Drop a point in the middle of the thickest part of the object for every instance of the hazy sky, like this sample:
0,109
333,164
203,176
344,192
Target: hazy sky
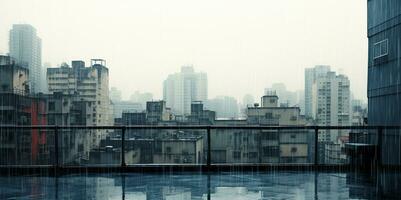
243,46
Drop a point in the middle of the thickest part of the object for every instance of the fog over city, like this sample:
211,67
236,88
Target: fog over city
243,46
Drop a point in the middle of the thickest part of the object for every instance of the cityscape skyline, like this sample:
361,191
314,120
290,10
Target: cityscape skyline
244,60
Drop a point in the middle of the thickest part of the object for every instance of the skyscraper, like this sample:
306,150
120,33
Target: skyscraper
331,103
384,74
310,77
181,89
26,48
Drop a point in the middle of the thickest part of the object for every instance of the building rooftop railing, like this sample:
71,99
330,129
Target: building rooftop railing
58,167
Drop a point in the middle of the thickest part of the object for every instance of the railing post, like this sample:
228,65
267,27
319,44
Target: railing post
379,147
56,147
209,154
316,146
123,164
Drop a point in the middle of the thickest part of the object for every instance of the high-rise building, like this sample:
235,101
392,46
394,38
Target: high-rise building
91,84
181,89
310,77
331,106
331,103
384,74
26,48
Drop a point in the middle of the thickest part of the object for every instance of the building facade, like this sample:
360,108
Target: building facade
331,104
13,78
310,76
71,110
26,48
91,84
384,65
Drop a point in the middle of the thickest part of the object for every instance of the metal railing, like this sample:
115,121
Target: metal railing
208,128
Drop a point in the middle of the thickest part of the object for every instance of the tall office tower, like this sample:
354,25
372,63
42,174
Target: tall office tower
90,84
26,48
384,74
331,103
181,89
310,77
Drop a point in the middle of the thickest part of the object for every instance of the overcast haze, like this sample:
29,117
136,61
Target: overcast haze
243,46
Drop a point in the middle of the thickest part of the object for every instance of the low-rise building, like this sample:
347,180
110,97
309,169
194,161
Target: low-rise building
71,110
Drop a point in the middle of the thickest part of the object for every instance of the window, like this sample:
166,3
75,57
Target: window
269,115
253,154
271,151
293,149
236,154
52,106
51,120
269,136
380,49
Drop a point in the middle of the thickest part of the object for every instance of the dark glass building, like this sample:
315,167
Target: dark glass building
384,72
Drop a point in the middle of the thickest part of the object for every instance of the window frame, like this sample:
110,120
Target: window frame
380,54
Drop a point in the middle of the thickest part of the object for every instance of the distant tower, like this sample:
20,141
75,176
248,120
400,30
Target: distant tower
181,89
26,48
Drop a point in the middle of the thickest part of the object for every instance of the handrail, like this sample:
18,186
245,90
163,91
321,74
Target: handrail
258,127
207,128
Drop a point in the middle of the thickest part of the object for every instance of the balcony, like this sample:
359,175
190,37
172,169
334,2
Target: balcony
195,162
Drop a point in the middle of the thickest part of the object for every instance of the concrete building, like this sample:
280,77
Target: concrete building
200,116
26,48
13,78
331,104
71,110
91,84
263,146
156,111
384,66
181,89
288,146
24,146
310,76
224,106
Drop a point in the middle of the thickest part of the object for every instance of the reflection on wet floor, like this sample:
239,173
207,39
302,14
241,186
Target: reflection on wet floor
183,186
